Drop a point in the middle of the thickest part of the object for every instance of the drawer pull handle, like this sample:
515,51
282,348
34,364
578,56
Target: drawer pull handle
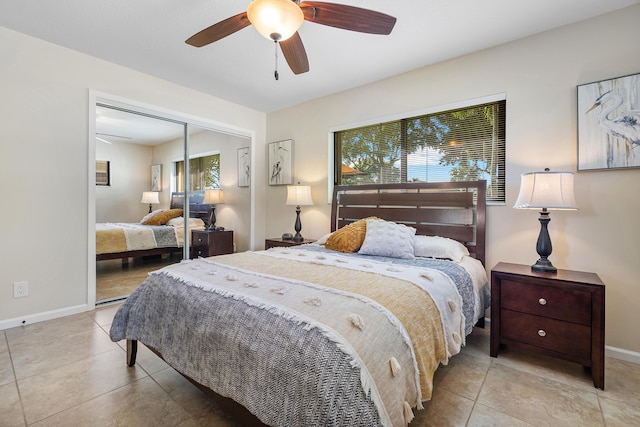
542,301
542,333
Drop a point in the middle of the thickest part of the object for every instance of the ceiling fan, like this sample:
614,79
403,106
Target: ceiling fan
279,20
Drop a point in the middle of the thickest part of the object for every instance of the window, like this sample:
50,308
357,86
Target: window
204,172
464,144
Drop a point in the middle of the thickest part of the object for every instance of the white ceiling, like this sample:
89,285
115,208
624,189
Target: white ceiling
149,35
115,126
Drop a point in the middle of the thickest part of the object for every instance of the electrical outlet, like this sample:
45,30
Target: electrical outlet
20,289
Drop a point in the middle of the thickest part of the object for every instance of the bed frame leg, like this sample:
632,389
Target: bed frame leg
132,351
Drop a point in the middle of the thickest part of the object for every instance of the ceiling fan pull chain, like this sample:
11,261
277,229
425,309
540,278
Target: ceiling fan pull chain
275,73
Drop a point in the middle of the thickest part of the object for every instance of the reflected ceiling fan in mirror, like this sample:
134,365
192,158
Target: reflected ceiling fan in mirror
279,20
103,135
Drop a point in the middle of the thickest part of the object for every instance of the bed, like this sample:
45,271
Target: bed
320,334
164,233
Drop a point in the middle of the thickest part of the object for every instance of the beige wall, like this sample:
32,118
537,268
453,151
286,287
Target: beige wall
130,164
45,152
235,213
539,75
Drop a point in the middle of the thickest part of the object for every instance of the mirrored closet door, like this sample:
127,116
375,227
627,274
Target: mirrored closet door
141,177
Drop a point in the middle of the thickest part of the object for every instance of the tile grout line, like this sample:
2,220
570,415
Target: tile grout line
475,401
15,378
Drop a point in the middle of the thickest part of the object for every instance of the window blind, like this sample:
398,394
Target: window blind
464,144
204,173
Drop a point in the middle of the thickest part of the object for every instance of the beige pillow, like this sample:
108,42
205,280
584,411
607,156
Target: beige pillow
349,238
161,218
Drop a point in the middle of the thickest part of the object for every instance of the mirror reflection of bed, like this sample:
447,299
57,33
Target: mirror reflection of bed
133,143
127,252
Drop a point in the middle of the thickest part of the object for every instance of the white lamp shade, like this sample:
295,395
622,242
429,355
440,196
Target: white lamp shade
275,19
213,197
551,190
299,195
150,197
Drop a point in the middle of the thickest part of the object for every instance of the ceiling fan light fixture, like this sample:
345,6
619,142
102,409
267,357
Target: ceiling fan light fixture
275,20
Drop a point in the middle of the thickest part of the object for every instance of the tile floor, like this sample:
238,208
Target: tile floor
115,280
67,372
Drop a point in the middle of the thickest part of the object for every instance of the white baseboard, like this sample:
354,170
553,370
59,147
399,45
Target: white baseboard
622,354
41,317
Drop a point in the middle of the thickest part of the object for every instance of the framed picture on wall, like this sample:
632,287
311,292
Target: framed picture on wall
609,124
156,177
280,159
244,167
103,172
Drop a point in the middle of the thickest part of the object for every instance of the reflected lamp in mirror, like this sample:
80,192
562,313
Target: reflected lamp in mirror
150,197
213,198
546,191
298,195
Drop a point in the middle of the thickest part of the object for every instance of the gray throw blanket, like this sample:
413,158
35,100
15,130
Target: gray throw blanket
326,390
165,236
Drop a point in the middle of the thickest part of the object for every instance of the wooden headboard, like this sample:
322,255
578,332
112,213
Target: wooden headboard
456,210
197,209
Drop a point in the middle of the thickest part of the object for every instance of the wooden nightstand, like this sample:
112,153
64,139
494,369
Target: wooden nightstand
276,241
560,315
205,243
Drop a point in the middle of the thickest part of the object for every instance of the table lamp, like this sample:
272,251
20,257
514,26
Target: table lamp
150,197
547,191
213,198
299,195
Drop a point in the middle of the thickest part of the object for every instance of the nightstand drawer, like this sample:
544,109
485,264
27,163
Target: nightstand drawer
563,337
206,243
547,301
200,251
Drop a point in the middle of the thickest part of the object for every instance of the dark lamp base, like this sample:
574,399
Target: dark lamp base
298,227
543,246
544,266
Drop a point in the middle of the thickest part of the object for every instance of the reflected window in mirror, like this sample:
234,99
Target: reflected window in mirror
204,172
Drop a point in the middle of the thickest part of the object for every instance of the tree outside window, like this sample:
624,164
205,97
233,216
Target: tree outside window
466,144
204,172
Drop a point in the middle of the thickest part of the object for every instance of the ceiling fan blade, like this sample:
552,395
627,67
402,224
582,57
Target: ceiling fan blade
220,30
348,17
295,54
114,136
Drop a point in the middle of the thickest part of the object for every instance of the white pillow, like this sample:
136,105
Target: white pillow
149,215
386,238
179,222
323,239
439,247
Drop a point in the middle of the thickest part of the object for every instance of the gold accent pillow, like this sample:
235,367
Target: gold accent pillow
349,238
161,218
